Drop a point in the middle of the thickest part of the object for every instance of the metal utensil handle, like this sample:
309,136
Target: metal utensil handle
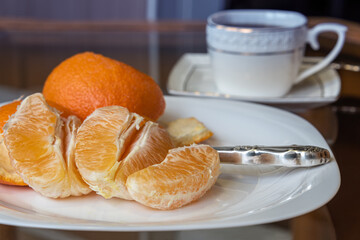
290,156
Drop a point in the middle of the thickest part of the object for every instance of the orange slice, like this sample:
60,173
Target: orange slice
77,184
112,143
41,146
184,176
8,174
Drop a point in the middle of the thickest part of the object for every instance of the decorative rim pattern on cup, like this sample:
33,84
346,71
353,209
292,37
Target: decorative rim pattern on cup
259,42
211,23
255,40
209,48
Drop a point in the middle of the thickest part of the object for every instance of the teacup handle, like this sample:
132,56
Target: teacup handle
340,30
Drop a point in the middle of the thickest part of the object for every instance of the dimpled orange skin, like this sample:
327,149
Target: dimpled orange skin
6,111
87,81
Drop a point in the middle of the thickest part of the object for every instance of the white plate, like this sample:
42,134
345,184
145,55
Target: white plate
192,76
242,196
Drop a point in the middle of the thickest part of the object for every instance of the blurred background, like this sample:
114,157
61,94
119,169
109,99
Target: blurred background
37,34
164,9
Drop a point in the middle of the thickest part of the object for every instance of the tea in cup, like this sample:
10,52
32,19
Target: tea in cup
258,53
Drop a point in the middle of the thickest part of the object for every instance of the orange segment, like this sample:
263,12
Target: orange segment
77,184
99,145
184,176
112,143
150,146
8,174
187,131
34,136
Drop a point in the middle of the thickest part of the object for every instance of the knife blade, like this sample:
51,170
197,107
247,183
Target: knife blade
288,156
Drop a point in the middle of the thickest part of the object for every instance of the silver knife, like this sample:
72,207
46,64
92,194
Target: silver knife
288,156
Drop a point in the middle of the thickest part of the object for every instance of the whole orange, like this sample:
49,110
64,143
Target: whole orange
87,81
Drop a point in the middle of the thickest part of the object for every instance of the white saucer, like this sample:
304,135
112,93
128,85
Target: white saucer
192,76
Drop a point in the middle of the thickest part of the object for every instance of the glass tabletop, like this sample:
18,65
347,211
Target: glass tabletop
31,49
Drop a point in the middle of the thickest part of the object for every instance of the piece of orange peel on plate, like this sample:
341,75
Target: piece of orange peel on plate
187,131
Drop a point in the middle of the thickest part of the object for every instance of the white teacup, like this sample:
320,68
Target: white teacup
257,53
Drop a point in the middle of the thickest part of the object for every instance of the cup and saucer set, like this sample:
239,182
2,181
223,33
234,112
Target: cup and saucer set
258,56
